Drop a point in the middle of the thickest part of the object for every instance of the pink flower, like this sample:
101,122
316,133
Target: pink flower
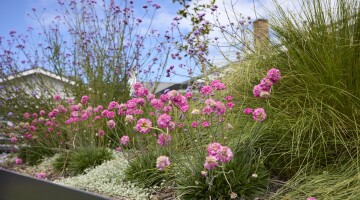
205,124
70,100
217,85
211,162
118,149
230,105
124,140
194,124
311,198
274,75
97,117
167,109
264,94
101,133
151,113
42,112
137,85
184,108
34,115
13,139
164,121
18,161
256,91
248,111
41,175
162,162
157,103
57,97
110,114
26,115
259,114
228,98
129,118
203,173
266,84
84,99
143,125
150,97
112,105
206,90
213,149
188,95
163,139
142,92
32,128
224,154
111,124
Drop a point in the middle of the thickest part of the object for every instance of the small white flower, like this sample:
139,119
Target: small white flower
254,175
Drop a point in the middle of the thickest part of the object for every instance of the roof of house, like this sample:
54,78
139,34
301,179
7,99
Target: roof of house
37,70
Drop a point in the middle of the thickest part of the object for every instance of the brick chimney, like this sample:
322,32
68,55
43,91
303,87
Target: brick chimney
261,34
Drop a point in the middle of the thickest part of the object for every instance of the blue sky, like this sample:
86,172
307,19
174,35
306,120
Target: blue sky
14,13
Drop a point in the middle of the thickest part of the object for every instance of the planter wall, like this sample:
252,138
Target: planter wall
14,186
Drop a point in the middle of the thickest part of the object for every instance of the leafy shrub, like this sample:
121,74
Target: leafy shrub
76,161
244,176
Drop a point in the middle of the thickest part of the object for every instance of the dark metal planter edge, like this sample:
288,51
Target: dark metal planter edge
15,186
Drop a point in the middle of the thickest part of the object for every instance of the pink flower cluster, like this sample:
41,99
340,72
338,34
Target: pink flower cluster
258,114
124,140
162,162
41,175
217,152
143,125
263,89
164,121
140,90
164,139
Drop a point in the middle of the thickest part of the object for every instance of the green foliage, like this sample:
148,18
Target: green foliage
34,154
314,109
334,183
244,176
76,161
142,170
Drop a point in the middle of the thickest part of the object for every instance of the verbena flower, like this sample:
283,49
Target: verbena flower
162,162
